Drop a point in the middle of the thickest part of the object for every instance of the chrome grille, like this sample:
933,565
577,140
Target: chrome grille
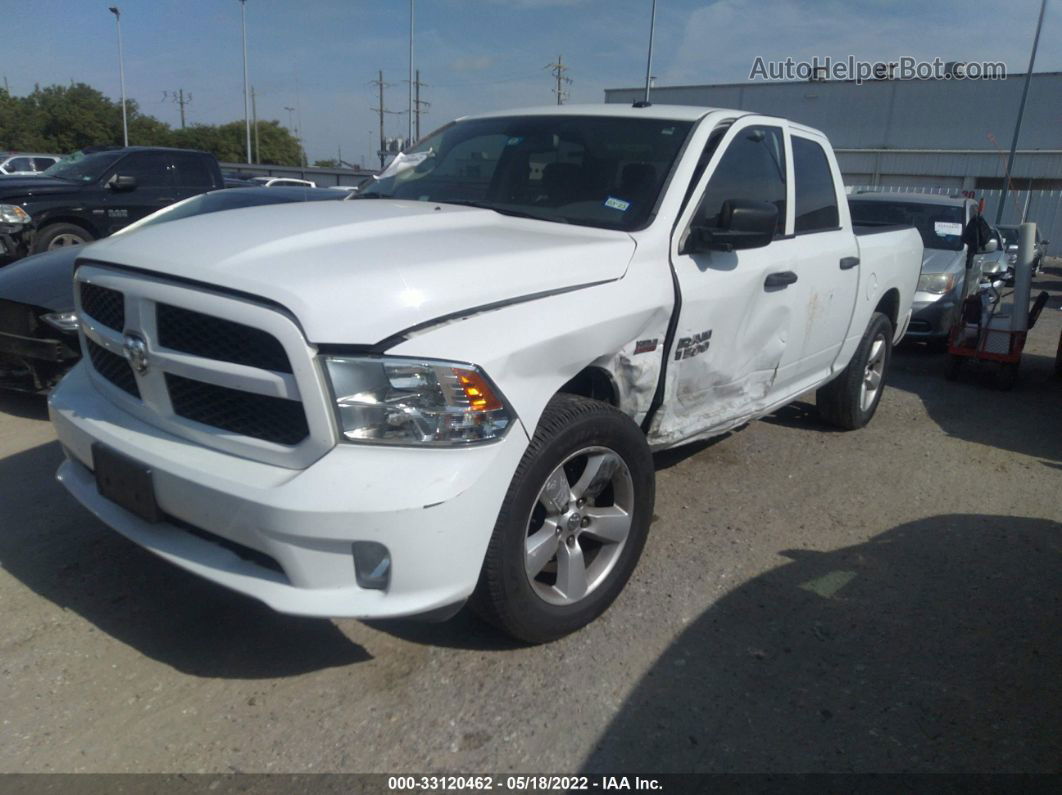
222,371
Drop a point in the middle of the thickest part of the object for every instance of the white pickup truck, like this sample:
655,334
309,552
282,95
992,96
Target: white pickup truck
449,388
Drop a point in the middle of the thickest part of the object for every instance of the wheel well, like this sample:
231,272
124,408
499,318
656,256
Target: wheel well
64,220
595,383
889,305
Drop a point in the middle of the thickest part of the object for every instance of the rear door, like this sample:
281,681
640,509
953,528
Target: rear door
826,254
192,175
737,342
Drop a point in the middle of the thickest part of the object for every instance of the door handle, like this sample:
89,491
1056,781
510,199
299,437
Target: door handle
849,262
779,281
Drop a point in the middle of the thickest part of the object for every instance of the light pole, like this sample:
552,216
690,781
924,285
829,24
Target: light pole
1021,113
121,71
246,100
409,132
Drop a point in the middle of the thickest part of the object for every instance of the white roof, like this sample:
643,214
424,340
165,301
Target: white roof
617,110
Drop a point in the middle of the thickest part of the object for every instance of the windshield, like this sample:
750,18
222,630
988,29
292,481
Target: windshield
939,224
233,199
80,167
1010,235
589,170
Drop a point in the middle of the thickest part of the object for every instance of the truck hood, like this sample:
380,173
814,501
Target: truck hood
44,280
13,185
938,260
357,272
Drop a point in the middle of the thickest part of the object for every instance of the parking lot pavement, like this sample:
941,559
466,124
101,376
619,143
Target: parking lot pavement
881,600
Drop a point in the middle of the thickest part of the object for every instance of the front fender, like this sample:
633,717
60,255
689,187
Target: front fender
532,349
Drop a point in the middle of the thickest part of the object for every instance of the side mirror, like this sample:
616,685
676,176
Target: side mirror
991,246
120,183
741,224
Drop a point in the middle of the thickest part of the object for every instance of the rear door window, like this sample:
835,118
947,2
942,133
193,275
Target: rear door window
816,193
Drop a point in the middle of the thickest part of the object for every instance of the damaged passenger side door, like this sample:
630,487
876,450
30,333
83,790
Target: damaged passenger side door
735,347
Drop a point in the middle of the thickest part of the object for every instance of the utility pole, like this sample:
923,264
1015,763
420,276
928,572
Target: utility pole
381,85
178,98
254,121
1021,113
417,103
558,72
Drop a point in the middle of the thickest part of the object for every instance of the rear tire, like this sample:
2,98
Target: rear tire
60,235
573,523
850,400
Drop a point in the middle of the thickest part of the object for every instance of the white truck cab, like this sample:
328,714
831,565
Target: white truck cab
449,387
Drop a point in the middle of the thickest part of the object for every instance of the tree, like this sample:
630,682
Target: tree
63,119
328,163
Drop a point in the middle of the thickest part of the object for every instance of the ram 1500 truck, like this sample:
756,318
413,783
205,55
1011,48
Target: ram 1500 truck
449,388
92,194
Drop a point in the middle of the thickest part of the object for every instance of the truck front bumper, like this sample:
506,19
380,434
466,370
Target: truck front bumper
285,536
932,318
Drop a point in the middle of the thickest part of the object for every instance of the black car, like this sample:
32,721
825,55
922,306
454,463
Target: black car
38,324
96,192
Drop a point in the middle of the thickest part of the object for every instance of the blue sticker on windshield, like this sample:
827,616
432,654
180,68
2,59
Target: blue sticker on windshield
617,204
514,140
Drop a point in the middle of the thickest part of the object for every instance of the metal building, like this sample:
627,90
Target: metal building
940,133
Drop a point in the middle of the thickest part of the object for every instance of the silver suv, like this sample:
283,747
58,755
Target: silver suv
26,163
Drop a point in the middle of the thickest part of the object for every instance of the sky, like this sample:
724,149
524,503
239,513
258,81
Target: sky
321,56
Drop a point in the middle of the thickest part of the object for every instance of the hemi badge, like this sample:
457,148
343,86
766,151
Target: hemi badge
645,346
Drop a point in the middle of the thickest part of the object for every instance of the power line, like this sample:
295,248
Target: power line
558,70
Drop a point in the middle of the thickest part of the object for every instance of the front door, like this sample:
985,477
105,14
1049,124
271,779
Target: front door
737,342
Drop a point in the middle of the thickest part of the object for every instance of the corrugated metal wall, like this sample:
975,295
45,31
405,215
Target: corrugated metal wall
1044,207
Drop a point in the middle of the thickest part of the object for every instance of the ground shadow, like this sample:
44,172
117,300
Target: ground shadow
1025,419
800,415
25,405
56,548
933,647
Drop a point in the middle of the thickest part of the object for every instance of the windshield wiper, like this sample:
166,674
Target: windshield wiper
504,210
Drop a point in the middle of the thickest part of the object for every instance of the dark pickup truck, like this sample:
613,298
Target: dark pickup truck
91,195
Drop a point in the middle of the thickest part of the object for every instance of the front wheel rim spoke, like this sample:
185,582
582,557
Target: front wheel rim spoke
600,468
556,493
571,572
540,548
609,525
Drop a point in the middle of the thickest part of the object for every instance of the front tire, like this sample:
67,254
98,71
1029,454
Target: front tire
56,236
573,523
850,400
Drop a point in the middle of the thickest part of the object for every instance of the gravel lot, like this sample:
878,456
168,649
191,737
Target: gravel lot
884,600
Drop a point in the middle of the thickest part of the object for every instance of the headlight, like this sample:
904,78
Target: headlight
936,283
415,402
64,321
13,214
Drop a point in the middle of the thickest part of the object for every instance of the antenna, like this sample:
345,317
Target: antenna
649,60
